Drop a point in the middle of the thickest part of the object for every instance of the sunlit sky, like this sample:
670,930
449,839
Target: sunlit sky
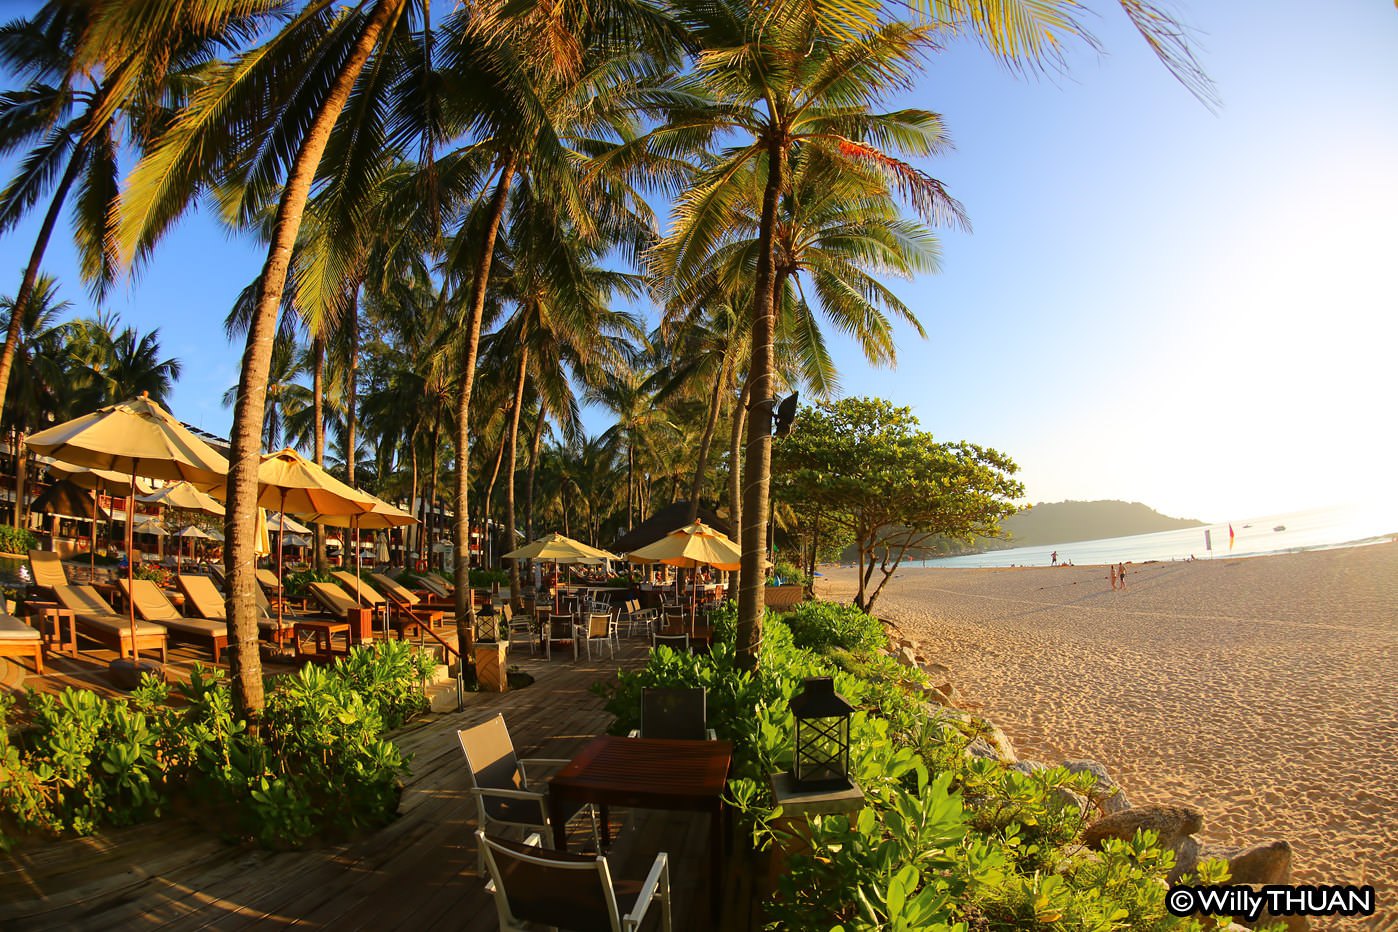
1158,303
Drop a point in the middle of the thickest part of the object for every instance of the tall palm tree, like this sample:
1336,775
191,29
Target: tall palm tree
92,87
40,391
116,363
280,102
286,397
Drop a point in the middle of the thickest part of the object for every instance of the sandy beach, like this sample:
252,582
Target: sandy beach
1261,690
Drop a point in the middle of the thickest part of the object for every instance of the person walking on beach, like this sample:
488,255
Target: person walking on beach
1121,575
1112,567
1054,557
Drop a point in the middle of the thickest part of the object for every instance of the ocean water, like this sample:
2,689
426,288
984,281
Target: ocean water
1315,529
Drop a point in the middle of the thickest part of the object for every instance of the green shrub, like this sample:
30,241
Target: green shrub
297,583
17,540
820,626
786,573
321,766
154,572
945,841
484,579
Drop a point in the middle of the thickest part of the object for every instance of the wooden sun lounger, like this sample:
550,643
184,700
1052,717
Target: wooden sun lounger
369,597
152,605
18,639
208,603
409,611
47,570
96,619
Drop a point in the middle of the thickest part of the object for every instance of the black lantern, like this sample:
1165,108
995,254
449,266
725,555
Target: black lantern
822,736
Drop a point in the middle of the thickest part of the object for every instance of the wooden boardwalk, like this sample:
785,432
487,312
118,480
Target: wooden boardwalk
417,872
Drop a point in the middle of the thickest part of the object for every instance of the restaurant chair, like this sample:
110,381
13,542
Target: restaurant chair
675,713
534,887
633,615
500,784
601,629
521,624
560,627
676,642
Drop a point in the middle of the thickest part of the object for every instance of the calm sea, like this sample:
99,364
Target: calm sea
1316,529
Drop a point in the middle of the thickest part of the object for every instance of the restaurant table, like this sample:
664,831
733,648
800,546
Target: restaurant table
647,773
52,617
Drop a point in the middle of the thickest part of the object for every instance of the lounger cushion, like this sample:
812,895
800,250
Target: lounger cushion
12,629
91,609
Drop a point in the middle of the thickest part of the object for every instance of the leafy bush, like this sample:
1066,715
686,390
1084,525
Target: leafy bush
820,626
484,579
786,573
17,540
297,583
321,765
946,841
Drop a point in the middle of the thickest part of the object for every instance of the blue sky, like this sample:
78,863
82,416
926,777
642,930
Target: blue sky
1158,303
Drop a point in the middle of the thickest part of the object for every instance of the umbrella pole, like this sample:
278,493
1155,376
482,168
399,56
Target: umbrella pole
281,586
131,566
92,550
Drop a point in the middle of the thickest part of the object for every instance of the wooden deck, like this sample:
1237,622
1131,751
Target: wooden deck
417,872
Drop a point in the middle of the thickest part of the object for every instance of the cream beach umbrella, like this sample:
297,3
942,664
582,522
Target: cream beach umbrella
134,438
98,481
555,548
289,482
381,516
690,547
191,533
185,496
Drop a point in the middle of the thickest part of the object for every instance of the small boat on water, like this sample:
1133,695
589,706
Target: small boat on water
1280,527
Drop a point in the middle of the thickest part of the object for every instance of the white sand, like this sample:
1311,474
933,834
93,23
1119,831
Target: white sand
1262,690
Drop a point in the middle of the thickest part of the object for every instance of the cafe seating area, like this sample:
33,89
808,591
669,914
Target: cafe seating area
421,870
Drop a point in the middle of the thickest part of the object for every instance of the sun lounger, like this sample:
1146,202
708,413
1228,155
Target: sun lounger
47,570
408,609
152,605
434,584
96,619
335,601
208,603
18,639
368,596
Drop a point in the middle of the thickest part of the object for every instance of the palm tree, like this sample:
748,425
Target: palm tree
291,90
40,390
114,363
286,397
89,83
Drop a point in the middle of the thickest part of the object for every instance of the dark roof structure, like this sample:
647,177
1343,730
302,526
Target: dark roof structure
670,518
67,499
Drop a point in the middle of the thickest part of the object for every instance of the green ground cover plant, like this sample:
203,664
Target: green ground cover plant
946,841
17,540
322,766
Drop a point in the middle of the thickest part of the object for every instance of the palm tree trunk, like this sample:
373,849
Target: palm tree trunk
412,499
735,472
533,466
706,441
758,460
318,416
630,485
31,274
352,382
432,494
245,665
21,461
512,445
465,612
488,500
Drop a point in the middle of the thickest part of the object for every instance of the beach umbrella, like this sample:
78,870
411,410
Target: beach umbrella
380,517
291,525
97,480
191,533
135,438
289,482
555,548
186,496
690,547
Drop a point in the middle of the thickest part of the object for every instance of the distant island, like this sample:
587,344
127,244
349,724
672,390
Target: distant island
1056,523
1066,522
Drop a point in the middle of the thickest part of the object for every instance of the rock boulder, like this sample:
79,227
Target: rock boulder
1171,823
1106,795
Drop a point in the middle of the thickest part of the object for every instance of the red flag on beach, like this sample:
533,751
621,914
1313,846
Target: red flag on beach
1230,536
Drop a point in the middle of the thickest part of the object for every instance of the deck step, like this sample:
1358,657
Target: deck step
441,697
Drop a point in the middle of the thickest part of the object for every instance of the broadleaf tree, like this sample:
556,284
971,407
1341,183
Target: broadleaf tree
870,471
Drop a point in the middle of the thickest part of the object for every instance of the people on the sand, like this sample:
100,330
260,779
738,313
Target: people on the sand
1121,574
1054,557
1112,568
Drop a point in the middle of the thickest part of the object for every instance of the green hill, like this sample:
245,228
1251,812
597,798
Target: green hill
1065,522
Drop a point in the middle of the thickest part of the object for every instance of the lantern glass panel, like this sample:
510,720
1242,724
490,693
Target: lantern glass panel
821,760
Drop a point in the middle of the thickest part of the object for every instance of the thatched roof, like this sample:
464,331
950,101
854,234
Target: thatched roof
65,498
670,518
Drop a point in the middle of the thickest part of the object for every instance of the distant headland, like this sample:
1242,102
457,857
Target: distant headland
1066,522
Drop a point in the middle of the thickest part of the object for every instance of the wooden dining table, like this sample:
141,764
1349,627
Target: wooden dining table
647,773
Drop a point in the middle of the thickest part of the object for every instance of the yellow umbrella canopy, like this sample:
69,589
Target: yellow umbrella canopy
380,517
183,495
290,525
555,548
293,484
87,478
136,437
695,545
